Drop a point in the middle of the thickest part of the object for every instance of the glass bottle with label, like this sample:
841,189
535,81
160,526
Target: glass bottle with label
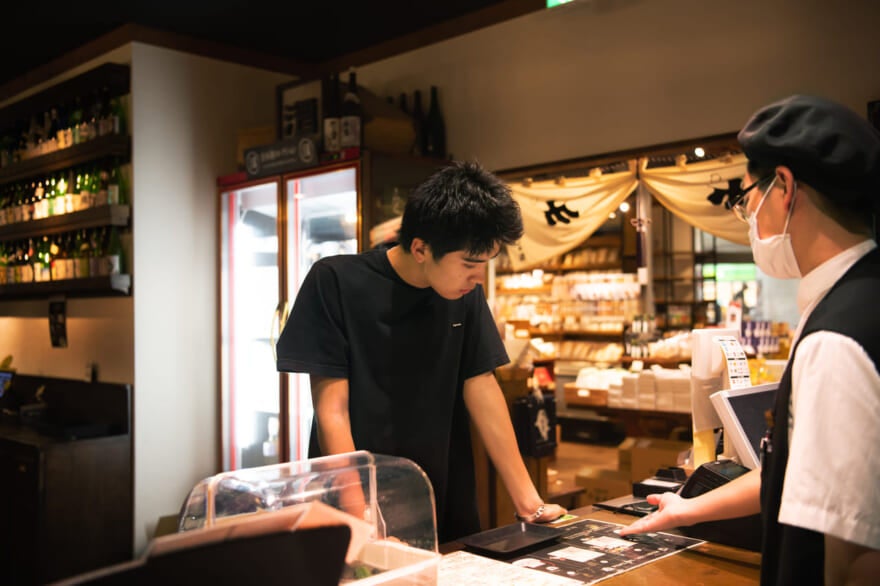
81,254
117,192
3,263
68,256
117,116
350,121
330,105
40,261
113,256
96,252
101,181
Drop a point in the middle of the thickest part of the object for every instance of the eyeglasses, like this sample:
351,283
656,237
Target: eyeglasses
741,203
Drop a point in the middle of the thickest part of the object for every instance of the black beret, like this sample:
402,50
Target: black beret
826,145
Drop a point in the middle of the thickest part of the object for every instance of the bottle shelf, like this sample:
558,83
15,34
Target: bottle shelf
672,362
105,286
114,76
98,148
108,215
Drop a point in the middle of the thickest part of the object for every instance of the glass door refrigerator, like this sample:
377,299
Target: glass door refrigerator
271,232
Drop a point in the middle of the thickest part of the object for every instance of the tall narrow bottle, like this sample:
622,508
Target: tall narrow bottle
81,255
96,253
401,102
117,115
101,183
67,254
3,263
435,128
114,263
42,260
117,189
419,123
330,113
350,121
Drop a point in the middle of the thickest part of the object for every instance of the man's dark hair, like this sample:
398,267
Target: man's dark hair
461,207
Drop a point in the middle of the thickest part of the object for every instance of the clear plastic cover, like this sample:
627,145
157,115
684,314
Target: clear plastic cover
392,494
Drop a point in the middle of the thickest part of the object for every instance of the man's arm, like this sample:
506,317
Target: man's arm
738,498
488,409
849,564
330,401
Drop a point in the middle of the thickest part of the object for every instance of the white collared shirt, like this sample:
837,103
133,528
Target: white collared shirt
833,473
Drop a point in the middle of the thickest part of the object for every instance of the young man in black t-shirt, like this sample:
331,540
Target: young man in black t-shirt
401,347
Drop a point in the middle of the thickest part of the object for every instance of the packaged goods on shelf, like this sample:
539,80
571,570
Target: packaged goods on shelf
629,391
646,394
672,387
608,353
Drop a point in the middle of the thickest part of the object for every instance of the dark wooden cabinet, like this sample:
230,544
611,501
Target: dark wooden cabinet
66,502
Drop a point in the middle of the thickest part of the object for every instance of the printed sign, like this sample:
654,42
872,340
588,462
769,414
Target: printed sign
289,154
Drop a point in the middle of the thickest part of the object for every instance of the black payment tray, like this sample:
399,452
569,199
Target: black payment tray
510,539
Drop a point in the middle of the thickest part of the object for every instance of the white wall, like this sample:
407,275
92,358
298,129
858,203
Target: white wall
598,76
186,111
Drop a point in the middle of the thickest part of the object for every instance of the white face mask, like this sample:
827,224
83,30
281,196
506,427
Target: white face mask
774,254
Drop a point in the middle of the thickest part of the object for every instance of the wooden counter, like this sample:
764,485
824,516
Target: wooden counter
710,564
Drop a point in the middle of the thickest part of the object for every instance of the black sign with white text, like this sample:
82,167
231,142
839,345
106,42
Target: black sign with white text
290,154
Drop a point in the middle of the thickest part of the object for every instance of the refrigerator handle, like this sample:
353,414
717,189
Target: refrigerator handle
279,319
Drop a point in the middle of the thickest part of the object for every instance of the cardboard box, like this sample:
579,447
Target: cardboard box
252,137
602,484
650,454
585,397
624,454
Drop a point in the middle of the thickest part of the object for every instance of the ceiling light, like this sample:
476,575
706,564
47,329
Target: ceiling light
623,207
700,152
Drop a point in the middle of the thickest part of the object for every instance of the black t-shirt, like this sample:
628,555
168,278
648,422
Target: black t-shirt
406,353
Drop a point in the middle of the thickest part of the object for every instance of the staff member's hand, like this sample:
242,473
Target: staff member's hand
671,512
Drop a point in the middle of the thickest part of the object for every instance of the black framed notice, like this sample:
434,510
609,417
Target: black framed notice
58,322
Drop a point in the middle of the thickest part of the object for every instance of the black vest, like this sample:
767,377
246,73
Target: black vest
791,555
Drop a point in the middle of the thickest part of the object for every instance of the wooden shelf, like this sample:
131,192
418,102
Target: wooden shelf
545,290
664,362
109,215
85,152
615,266
106,286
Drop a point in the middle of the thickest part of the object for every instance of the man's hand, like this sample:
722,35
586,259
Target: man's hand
671,512
550,513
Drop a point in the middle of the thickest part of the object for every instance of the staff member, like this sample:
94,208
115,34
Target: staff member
814,176
401,347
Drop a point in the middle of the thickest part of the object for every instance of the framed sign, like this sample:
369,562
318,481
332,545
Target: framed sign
297,109
58,322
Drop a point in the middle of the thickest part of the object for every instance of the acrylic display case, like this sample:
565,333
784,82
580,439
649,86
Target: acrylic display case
389,502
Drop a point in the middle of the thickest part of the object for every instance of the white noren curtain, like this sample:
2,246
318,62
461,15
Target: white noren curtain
558,215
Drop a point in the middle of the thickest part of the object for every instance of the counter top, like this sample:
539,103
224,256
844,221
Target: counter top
706,563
